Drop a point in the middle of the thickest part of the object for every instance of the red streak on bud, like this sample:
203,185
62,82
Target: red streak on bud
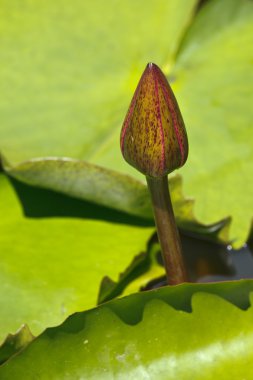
172,111
159,117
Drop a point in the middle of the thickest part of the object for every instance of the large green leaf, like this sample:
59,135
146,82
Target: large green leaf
214,81
183,332
85,181
212,78
68,72
78,64
51,267
89,182
68,69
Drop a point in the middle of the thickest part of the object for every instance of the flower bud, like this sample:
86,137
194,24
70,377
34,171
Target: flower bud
153,137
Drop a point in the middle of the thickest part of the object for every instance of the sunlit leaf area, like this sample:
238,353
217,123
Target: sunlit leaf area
83,291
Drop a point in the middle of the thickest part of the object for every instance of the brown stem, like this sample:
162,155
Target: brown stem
167,230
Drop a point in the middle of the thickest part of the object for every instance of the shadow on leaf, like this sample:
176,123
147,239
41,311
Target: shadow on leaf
43,203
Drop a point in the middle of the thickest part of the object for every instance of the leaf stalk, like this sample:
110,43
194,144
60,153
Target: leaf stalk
167,230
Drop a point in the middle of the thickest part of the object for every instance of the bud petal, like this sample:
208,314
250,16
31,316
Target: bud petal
153,137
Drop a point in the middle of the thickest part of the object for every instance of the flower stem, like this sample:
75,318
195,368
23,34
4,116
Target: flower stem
167,230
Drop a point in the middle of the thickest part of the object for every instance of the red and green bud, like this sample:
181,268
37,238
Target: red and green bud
153,137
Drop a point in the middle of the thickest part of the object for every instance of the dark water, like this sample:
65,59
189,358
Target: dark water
210,262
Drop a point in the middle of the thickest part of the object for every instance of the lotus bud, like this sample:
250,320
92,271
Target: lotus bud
153,137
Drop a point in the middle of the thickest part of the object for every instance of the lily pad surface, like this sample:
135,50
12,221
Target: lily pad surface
212,78
85,181
68,69
143,336
68,72
52,266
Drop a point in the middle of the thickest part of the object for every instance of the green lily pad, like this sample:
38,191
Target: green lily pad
213,84
68,69
198,331
105,187
68,81
82,180
212,78
51,267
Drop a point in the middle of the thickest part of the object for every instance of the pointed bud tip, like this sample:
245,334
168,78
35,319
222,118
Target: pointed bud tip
151,67
153,136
